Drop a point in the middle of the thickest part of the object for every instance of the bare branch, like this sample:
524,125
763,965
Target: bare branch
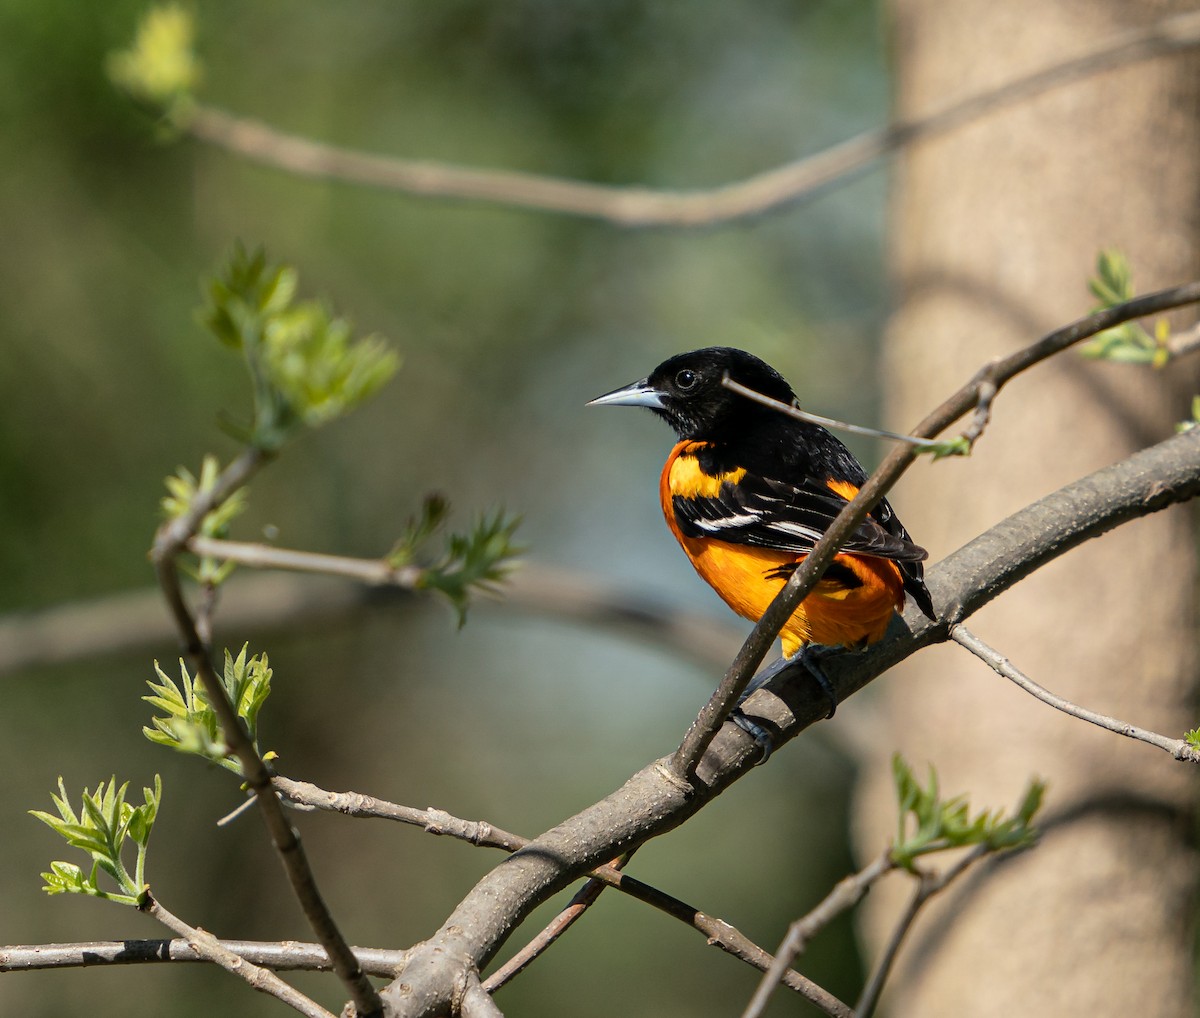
641,206
278,956
435,821
209,947
1178,748
983,412
928,885
265,556
846,893
732,941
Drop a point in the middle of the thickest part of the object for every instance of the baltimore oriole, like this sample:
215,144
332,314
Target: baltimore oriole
747,492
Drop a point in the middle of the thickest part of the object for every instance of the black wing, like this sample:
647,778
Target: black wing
769,513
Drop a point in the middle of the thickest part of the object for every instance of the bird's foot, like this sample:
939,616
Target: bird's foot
808,657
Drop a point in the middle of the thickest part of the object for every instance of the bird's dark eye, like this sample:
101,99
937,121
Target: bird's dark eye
686,379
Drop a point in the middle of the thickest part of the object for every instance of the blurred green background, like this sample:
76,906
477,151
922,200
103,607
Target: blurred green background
508,322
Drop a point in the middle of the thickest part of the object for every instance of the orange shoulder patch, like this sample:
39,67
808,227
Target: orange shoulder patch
843,488
685,477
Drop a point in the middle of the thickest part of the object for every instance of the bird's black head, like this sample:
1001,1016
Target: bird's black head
688,393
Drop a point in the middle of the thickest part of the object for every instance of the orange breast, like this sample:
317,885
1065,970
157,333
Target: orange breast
834,613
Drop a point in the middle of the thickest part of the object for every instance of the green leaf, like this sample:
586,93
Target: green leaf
160,67
927,823
66,878
1113,282
957,446
1128,343
1193,738
474,562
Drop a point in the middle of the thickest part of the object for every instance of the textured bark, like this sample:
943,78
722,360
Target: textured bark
994,230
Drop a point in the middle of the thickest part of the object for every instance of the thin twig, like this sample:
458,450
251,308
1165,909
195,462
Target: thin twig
249,803
986,383
205,610
1178,748
928,885
641,206
583,899
791,410
1180,344
732,941
169,542
435,821
381,962
265,556
846,893
983,412
258,978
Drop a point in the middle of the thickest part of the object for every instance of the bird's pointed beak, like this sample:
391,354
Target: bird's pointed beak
636,394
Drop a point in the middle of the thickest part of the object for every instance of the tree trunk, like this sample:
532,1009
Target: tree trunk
994,231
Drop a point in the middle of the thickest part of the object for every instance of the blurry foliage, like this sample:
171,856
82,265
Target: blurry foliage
182,490
305,369
160,68
507,322
1128,342
474,562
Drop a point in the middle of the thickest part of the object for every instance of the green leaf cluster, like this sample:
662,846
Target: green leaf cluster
470,562
191,725
1192,738
160,68
1128,343
305,366
101,828
927,823
959,445
182,491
